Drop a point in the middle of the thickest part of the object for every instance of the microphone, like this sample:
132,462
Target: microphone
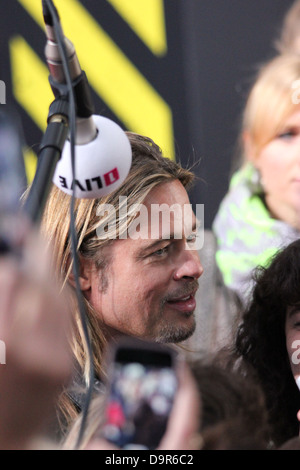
103,151
101,166
85,127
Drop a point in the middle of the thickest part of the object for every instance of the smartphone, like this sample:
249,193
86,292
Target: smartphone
142,383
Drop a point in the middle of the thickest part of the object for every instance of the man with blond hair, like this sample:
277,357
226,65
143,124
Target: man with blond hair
139,268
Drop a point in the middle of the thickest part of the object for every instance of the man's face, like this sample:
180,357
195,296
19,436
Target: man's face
151,280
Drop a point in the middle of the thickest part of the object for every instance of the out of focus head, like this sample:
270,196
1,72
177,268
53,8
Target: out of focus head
273,98
271,136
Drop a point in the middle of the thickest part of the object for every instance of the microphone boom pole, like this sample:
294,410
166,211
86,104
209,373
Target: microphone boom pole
53,141
49,154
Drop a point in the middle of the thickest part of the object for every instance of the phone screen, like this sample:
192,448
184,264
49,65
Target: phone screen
142,389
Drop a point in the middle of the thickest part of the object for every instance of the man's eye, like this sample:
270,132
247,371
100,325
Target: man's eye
192,238
161,251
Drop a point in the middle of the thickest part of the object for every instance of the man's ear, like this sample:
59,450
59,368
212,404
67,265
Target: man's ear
84,274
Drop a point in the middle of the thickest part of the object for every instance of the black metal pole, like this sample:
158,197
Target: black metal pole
50,152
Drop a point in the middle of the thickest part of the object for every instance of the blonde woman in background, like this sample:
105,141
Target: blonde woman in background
261,211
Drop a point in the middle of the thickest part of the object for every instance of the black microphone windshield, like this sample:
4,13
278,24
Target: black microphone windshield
47,14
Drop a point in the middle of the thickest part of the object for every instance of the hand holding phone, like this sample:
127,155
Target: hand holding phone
142,383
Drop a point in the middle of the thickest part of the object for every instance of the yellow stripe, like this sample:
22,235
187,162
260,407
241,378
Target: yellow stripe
147,19
30,160
119,83
30,81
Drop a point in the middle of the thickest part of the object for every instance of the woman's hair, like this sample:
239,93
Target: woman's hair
290,31
261,342
149,169
273,97
232,434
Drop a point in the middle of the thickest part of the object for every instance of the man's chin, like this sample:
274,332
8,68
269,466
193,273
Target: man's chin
175,334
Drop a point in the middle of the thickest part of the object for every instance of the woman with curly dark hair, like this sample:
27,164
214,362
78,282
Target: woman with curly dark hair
268,340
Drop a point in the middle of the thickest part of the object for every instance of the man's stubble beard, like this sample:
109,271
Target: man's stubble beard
175,336
170,333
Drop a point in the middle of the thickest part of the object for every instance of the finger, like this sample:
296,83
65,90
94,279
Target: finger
184,420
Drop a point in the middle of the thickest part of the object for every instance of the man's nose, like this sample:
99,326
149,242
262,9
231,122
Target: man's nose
189,266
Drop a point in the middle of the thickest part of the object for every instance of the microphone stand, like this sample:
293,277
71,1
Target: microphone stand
49,153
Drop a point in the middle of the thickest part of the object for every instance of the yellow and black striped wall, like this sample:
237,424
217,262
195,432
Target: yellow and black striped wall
175,70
